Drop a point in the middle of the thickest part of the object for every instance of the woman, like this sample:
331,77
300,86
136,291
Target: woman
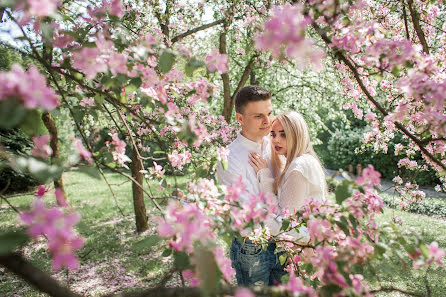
302,176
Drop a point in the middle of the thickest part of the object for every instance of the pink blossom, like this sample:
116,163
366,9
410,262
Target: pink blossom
29,87
188,225
83,152
157,170
119,150
217,62
191,277
41,148
117,63
60,197
296,287
178,160
63,248
41,191
42,8
87,102
243,292
438,188
89,61
369,177
284,33
319,229
222,153
224,264
436,254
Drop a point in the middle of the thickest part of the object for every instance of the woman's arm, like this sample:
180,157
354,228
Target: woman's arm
293,191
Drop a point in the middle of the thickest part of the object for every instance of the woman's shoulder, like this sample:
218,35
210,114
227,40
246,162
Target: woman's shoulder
305,160
308,166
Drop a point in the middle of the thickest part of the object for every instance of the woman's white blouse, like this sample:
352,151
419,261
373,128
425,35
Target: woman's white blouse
303,180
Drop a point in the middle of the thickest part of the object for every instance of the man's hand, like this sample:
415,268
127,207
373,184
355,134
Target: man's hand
257,162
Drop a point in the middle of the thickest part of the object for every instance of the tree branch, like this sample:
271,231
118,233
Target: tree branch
225,78
195,30
416,24
34,276
244,78
391,289
405,20
356,74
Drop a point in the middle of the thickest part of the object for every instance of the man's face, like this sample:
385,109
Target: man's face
256,119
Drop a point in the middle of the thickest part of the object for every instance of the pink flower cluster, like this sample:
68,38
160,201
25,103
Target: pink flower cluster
119,150
38,8
27,86
57,226
157,170
434,254
83,152
369,177
188,225
41,148
386,54
217,62
178,160
284,34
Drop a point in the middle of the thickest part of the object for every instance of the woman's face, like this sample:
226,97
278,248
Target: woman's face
278,138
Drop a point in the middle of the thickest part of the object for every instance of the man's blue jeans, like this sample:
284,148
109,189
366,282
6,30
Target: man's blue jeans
255,266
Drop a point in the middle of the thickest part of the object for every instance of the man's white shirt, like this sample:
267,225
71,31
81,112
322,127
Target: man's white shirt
238,163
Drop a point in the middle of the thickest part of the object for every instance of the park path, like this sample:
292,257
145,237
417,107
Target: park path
387,186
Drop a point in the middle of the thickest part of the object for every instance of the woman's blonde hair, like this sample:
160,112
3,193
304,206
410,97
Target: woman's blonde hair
297,142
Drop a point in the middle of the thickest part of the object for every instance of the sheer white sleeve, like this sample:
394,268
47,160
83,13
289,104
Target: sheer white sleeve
266,181
293,191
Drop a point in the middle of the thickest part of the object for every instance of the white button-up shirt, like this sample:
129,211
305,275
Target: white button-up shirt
238,162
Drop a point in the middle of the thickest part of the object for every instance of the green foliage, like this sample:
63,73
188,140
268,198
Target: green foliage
339,152
428,206
12,240
16,142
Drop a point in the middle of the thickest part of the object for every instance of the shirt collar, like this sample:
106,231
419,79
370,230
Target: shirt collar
250,145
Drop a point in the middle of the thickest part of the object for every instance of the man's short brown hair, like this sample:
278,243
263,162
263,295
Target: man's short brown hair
250,94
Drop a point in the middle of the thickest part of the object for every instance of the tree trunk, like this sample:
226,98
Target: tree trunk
227,106
138,194
54,144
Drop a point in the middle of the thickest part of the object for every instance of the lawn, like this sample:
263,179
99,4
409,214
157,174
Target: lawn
111,261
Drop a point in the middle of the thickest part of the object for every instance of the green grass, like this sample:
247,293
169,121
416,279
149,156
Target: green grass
111,262
393,272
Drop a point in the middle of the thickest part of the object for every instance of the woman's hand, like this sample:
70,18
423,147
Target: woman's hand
257,162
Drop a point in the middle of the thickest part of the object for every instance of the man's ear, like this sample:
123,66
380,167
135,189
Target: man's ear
239,118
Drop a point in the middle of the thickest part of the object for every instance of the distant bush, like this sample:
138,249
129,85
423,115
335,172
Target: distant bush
428,206
338,152
16,142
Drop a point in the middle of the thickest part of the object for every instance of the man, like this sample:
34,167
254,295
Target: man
253,265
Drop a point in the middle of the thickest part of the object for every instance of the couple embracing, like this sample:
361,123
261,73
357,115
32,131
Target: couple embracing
282,164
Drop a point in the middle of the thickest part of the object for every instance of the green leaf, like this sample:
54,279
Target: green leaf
99,99
424,250
32,124
207,270
181,260
329,290
91,171
166,61
285,224
40,170
12,240
283,258
343,191
147,243
192,65
11,113
224,164
137,82
396,70
166,253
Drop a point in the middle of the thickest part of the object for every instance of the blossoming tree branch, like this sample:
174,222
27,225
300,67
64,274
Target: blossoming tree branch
121,67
